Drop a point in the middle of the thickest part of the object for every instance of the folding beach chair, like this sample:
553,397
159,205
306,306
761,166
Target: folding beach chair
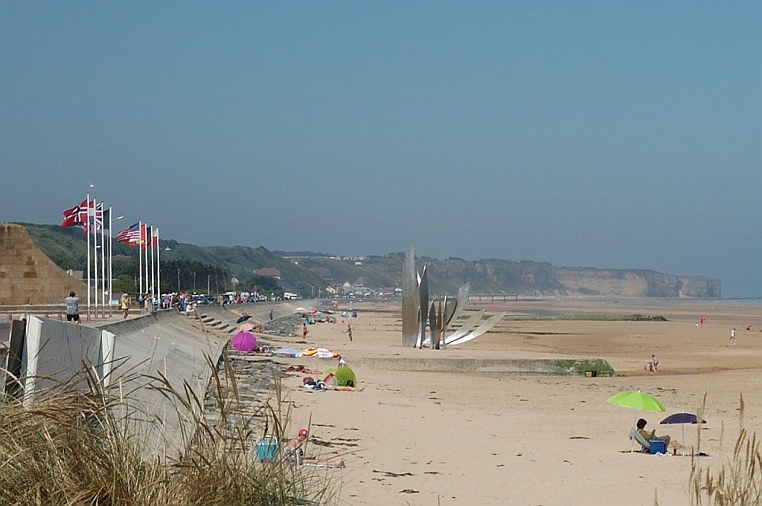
266,448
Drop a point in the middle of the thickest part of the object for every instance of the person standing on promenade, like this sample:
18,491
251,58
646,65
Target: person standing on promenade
72,307
124,305
732,337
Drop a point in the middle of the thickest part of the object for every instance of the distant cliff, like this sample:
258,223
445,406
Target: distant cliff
636,283
540,278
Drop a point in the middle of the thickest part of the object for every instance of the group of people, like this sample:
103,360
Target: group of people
72,306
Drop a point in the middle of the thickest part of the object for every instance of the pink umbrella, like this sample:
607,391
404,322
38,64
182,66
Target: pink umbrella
244,341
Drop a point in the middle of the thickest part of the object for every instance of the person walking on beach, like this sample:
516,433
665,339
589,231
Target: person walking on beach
271,315
349,330
304,331
72,307
732,337
124,305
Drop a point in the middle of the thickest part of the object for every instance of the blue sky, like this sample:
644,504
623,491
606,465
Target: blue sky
598,134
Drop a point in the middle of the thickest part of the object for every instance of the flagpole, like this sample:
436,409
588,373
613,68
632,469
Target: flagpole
91,223
153,269
140,259
103,261
110,260
88,256
144,247
158,263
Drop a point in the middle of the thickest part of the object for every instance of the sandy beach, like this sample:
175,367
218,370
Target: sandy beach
425,438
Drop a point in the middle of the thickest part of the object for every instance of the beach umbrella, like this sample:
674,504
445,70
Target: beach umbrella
243,318
244,341
246,327
636,400
682,419
319,353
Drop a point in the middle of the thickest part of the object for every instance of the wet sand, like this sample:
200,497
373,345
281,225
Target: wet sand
425,438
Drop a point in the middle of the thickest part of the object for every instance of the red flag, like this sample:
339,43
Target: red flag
144,236
155,237
75,216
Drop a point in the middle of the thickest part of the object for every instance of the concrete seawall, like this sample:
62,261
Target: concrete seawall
166,345
494,367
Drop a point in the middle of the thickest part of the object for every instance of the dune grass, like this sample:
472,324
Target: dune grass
83,448
737,481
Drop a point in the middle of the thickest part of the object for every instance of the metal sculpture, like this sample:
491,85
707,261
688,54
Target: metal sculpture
418,311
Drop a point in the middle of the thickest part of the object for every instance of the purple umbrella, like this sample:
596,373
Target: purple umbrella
682,419
244,341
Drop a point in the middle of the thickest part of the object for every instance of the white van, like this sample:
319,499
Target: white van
290,296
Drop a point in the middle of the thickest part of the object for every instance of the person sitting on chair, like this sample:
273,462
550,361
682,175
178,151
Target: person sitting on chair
648,436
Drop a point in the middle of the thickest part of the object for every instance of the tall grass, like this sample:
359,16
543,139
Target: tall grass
83,448
737,481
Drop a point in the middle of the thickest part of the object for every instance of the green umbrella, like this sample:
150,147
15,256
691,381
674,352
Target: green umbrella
636,400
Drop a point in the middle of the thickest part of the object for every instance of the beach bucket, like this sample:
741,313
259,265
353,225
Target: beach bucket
265,448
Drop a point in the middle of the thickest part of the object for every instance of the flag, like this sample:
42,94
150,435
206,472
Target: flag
75,216
95,215
107,219
70,217
130,235
155,237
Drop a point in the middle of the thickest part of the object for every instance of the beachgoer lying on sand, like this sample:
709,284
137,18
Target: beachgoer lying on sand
294,453
301,368
310,383
652,435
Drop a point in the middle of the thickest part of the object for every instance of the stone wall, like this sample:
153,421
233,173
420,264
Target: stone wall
27,276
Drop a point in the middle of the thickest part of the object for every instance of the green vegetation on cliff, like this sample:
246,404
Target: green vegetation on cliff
226,268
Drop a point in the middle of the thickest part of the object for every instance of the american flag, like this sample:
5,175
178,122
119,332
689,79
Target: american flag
130,235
